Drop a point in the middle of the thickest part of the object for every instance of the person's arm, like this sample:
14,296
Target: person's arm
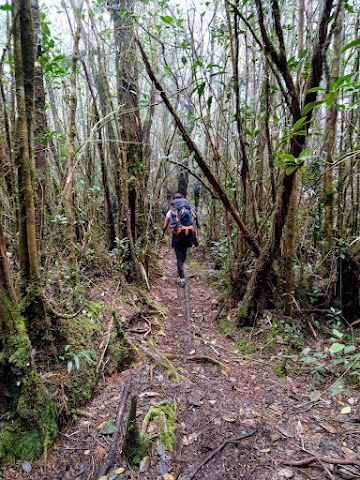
167,221
166,224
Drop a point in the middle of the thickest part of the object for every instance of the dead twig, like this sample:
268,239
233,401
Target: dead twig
115,436
217,450
108,335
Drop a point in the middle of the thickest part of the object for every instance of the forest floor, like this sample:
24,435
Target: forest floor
235,419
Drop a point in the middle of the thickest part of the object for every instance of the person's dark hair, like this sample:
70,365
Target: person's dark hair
178,195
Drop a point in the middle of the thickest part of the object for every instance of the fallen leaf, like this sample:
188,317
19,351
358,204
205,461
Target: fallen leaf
265,450
328,428
119,471
299,429
144,464
104,477
348,452
345,411
161,333
87,452
189,439
192,352
194,401
149,394
229,419
109,429
167,476
315,396
285,433
255,413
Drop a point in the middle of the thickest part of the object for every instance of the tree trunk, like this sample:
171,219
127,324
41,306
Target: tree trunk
329,190
39,128
256,289
70,158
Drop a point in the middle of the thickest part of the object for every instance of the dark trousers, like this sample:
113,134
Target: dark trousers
181,251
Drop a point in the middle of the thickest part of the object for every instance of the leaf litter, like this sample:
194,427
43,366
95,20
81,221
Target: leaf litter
238,423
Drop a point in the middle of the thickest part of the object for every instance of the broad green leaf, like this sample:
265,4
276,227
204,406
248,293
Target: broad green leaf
338,361
351,44
316,89
5,7
344,79
298,123
336,348
303,153
109,429
306,351
310,106
308,360
69,366
167,19
329,99
77,361
200,89
336,333
287,157
291,169
349,349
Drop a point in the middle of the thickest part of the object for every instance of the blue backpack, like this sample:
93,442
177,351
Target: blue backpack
183,220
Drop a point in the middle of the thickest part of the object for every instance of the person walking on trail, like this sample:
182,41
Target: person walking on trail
182,221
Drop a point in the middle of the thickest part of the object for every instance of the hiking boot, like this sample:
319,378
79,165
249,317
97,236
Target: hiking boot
181,282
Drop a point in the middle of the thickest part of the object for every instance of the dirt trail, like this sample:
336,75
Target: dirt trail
216,402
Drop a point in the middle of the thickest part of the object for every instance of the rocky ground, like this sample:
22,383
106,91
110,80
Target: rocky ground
235,419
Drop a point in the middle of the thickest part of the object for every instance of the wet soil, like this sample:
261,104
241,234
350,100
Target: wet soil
235,419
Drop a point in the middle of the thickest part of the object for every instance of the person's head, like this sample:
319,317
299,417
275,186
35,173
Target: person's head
178,195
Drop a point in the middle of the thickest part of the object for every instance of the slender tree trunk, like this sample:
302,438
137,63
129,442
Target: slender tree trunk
70,158
109,219
129,122
331,140
33,305
39,128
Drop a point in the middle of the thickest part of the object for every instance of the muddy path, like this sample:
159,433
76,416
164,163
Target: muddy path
235,419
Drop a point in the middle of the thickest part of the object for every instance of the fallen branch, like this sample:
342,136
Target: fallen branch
334,461
217,450
197,358
115,436
108,335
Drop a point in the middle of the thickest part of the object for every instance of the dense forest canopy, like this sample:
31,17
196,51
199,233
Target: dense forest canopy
107,108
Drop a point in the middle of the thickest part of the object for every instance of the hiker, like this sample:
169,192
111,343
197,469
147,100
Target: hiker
182,221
